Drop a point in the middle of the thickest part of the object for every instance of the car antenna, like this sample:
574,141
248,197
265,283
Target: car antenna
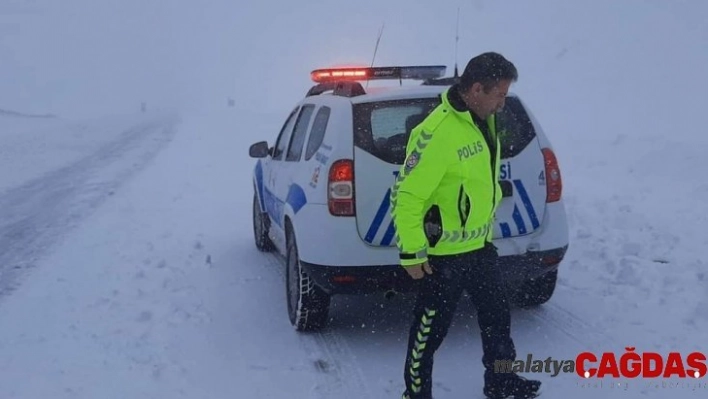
457,39
378,40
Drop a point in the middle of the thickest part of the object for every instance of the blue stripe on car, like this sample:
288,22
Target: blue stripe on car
519,220
506,231
378,219
527,203
274,206
296,197
259,183
390,233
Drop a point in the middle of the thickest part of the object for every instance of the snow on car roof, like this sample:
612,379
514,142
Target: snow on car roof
398,92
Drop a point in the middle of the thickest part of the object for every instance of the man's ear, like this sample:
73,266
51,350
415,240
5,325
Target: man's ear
476,88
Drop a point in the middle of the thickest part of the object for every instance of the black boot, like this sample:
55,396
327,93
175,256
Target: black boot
504,385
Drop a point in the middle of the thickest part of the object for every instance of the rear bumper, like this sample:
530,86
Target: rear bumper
369,279
516,269
359,279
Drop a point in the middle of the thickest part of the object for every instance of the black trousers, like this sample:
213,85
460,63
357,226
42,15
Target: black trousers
438,296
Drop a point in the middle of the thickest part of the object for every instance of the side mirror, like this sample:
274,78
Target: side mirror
259,150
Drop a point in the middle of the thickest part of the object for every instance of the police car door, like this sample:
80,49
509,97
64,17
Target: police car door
522,173
273,179
293,176
381,132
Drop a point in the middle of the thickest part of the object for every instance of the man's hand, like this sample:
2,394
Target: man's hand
419,271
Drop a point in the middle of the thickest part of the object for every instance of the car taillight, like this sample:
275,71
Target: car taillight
554,183
340,192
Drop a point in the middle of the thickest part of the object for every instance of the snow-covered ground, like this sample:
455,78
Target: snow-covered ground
127,264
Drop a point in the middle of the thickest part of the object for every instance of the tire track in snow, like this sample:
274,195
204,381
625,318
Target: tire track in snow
331,356
568,324
37,214
346,379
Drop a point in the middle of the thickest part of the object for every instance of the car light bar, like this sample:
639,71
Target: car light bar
421,72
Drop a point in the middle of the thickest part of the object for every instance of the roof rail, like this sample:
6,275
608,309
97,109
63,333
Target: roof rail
341,88
441,81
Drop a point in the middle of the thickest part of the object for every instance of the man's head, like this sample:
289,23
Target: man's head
485,83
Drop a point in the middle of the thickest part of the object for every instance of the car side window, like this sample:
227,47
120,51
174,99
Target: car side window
284,135
317,133
297,141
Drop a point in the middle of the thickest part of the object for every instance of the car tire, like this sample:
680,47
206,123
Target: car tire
261,227
536,291
308,304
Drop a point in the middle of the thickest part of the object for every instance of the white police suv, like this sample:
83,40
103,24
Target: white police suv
321,191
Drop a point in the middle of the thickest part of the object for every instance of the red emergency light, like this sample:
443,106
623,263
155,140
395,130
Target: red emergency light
327,75
422,72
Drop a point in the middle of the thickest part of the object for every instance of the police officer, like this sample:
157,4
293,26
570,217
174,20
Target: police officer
443,205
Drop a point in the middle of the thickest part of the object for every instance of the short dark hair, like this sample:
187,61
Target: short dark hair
488,69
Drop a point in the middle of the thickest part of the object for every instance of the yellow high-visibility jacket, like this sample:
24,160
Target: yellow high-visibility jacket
447,191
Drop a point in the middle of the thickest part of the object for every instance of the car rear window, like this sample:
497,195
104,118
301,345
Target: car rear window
515,128
383,128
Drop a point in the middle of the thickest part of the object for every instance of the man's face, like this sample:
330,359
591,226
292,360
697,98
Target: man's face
489,103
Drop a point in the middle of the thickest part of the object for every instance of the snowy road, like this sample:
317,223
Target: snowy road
144,282
40,212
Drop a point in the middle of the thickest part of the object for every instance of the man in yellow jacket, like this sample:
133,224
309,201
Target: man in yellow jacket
443,205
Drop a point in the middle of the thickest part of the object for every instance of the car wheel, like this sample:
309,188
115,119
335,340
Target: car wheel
260,227
536,291
308,304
